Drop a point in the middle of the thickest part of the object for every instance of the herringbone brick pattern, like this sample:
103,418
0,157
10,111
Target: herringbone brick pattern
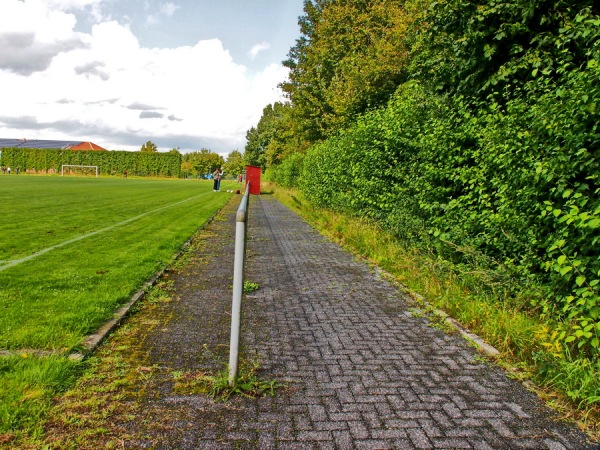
362,372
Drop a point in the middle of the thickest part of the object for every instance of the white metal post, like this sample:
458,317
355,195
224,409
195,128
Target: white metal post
238,286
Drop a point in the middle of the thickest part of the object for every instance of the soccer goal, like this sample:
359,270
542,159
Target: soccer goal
74,169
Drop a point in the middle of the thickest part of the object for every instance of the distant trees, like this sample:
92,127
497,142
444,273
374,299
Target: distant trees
276,136
234,165
201,162
109,162
149,147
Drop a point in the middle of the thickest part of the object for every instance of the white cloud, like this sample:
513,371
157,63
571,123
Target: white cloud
103,86
254,51
163,10
65,5
168,9
31,36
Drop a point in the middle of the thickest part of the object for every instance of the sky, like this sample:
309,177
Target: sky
186,74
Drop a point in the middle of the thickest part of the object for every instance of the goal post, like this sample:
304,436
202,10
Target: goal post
71,167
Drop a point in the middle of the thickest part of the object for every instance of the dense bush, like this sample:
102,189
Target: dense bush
286,174
512,186
487,153
108,162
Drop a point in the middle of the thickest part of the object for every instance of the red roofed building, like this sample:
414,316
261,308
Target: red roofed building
85,146
49,144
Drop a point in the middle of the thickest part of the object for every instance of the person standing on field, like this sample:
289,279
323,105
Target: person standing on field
216,180
220,178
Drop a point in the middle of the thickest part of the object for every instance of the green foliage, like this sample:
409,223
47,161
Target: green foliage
201,163
478,48
368,167
287,174
511,189
149,147
577,378
265,143
108,162
351,57
234,165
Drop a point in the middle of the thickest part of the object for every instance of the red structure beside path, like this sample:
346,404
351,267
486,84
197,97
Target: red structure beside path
253,176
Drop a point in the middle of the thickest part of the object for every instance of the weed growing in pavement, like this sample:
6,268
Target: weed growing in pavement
250,287
217,386
160,292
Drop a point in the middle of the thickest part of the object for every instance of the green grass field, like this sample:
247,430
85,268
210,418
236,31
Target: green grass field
71,251
74,249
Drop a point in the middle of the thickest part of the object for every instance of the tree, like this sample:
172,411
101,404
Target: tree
149,147
481,48
351,57
276,136
187,167
202,162
260,137
234,165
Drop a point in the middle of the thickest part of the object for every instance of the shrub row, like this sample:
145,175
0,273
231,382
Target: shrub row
108,162
512,187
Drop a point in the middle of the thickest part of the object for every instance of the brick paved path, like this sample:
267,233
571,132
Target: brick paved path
362,372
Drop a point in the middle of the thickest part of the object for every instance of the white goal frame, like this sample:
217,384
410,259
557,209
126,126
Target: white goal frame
62,169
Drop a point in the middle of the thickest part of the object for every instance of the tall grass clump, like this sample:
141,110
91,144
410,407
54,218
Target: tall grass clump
27,386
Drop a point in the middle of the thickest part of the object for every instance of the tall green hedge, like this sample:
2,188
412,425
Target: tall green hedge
108,162
490,162
513,187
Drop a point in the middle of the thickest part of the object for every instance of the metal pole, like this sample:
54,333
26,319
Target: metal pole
238,286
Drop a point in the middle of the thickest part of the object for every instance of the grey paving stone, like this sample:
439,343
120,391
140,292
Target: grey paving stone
361,371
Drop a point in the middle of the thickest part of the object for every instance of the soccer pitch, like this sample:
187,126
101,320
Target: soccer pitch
73,249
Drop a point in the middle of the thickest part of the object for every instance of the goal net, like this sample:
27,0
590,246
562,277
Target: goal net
74,169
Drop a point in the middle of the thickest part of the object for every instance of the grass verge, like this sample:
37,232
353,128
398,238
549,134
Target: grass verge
571,386
54,294
97,399
27,386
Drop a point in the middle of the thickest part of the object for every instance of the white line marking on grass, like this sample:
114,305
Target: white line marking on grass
14,262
